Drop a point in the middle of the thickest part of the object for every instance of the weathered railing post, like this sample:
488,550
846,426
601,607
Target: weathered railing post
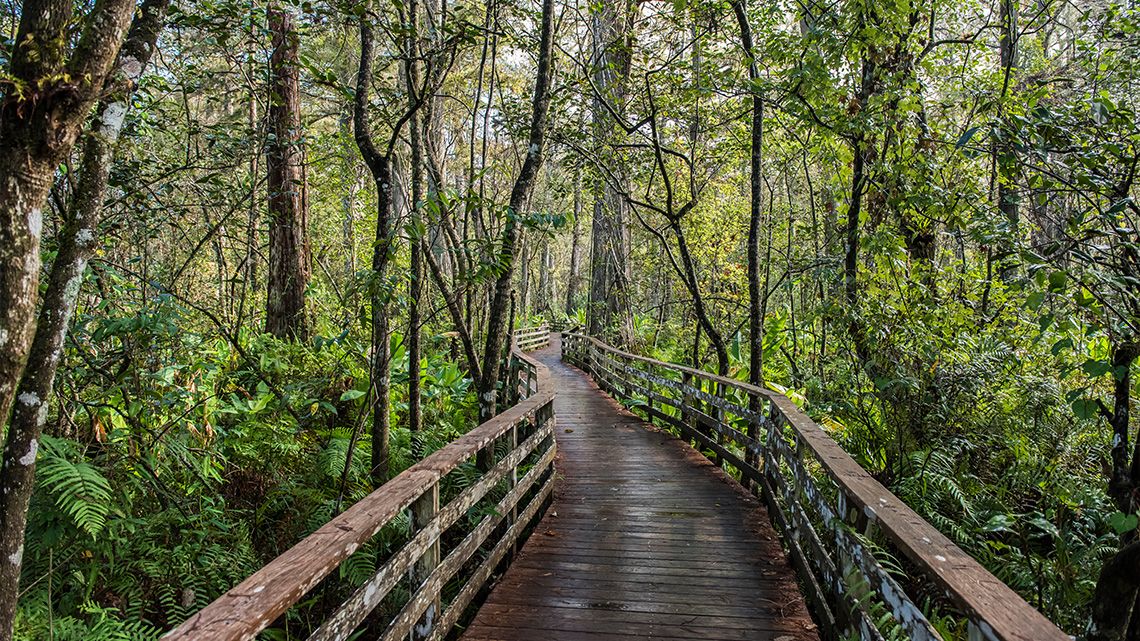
545,416
716,413
424,511
620,375
688,417
650,387
512,481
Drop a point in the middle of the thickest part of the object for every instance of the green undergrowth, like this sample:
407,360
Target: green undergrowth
178,465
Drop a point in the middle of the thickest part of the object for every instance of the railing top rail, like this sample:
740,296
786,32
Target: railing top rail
269,592
979,593
532,331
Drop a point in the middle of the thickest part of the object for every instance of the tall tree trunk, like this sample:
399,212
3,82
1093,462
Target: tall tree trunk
380,166
1114,604
1006,161
524,273
610,231
379,163
350,181
47,97
756,210
575,246
1114,601
289,260
379,300
415,279
546,279
520,197
863,153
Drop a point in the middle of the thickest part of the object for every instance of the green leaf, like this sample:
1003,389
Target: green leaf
998,523
1034,300
1058,281
1044,525
351,395
80,489
1084,408
1096,368
1122,523
965,138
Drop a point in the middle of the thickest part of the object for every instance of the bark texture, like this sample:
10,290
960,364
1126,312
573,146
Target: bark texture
416,249
50,93
380,166
1116,593
289,260
610,227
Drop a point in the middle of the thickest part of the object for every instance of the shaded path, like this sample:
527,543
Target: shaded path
645,539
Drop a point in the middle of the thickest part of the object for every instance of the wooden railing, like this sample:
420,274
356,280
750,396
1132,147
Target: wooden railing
832,515
532,338
442,548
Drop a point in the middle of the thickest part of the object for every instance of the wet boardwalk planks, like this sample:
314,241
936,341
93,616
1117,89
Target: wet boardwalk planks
646,539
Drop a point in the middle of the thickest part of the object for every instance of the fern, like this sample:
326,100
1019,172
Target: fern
80,490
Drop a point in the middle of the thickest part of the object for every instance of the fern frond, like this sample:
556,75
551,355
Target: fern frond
80,490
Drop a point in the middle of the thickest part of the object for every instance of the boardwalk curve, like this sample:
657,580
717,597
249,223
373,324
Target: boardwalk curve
645,539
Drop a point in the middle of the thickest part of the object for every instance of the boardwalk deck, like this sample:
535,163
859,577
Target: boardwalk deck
645,539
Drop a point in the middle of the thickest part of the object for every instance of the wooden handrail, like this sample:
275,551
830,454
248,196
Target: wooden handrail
527,429
825,505
529,339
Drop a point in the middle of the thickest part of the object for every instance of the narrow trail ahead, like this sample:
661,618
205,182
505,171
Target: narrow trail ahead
645,539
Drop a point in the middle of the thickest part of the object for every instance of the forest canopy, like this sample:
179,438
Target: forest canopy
257,257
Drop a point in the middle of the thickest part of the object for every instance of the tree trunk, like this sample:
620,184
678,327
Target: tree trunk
610,232
863,156
1006,161
1115,597
381,349
756,211
546,279
575,246
39,126
289,261
380,166
1125,468
415,279
520,197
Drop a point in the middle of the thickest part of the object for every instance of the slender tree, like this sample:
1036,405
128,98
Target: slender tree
575,272
379,161
415,226
756,200
520,198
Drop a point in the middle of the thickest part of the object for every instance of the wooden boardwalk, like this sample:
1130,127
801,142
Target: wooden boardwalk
645,539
